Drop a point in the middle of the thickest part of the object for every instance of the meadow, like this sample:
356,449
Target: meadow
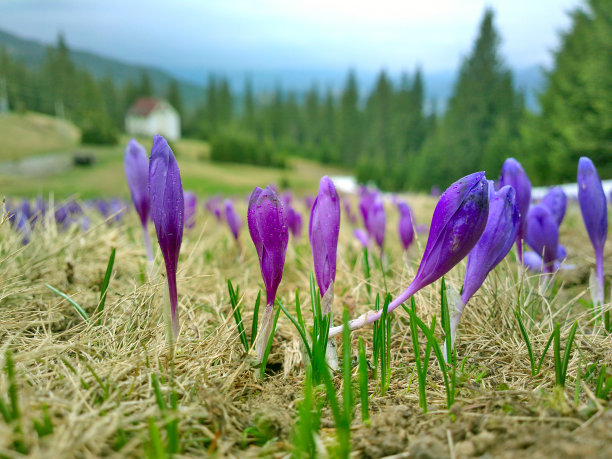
34,135
106,382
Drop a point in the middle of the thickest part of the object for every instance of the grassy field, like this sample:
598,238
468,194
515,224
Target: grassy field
97,381
34,133
107,178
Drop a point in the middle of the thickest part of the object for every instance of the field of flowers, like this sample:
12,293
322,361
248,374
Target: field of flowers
222,329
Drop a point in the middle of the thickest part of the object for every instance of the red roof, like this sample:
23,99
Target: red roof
144,106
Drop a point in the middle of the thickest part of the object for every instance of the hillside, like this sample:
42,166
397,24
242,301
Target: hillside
32,53
28,134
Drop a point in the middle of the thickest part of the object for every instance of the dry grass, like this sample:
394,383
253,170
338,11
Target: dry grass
96,379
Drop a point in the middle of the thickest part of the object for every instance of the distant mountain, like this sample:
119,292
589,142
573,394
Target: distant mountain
32,53
438,85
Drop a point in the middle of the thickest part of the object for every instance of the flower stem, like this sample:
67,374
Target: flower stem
147,243
373,316
264,331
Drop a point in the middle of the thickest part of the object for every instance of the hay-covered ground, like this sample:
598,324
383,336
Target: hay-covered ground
95,380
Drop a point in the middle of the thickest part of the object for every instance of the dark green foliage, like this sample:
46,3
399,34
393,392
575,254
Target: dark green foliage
482,118
576,106
244,149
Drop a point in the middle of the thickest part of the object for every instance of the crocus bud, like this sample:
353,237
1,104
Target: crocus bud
167,213
543,235
377,222
512,174
323,234
405,227
212,205
268,228
494,244
191,205
232,218
349,212
594,210
362,237
366,201
458,222
556,201
294,221
137,173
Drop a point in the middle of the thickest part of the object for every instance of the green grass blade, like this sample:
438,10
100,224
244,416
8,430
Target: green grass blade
156,445
568,349
159,397
525,336
365,262
233,294
78,308
548,343
298,310
347,394
105,283
255,318
12,389
363,382
557,354
298,328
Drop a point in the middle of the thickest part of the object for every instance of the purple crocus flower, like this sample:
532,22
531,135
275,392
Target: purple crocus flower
294,221
349,212
191,206
458,221
512,174
309,201
594,210
233,219
492,247
366,201
268,228
23,227
543,235
212,205
323,233
136,166
556,201
167,213
377,222
405,227
362,237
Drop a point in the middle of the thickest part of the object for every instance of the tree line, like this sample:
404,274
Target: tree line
389,133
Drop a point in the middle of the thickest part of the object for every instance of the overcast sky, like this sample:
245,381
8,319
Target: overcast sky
193,35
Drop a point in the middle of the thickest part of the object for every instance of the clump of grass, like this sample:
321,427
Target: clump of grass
421,364
381,345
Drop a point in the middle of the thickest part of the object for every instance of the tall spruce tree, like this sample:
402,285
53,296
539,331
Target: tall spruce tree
576,106
483,114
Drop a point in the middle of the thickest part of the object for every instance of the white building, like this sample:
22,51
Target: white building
148,116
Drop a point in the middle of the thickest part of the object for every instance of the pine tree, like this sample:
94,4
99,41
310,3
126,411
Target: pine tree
576,106
173,96
349,121
483,113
